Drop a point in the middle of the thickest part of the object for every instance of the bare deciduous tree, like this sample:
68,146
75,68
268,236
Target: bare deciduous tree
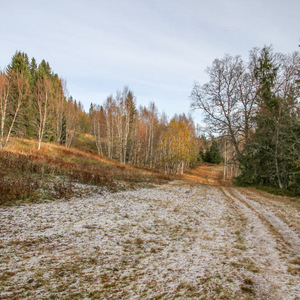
12,79
4,93
60,91
98,126
110,109
42,94
228,99
72,119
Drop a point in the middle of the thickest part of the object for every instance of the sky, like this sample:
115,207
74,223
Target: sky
158,48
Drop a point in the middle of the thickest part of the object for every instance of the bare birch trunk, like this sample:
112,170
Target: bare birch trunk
22,86
276,157
11,125
43,120
3,105
225,160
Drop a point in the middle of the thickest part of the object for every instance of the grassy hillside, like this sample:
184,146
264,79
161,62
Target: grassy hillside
54,172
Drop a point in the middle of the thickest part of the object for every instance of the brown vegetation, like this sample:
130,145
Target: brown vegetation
207,173
53,171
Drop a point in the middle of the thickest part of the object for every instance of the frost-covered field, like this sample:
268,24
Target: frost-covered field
176,240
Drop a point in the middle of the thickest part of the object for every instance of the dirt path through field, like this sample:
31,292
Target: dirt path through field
179,240
289,236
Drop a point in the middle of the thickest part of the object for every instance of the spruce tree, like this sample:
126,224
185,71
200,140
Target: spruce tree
20,65
273,150
215,154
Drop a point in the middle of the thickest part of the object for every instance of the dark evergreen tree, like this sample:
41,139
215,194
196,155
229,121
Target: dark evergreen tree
215,155
44,69
20,65
207,155
212,154
273,150
201,155
20,62
131,112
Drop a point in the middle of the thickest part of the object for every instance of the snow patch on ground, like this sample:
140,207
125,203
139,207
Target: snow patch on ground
176,240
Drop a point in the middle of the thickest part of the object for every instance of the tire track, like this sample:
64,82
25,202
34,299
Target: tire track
288,235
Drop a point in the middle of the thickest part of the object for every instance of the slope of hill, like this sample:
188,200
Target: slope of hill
56,172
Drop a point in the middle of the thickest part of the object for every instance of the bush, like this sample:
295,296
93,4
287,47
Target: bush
21,189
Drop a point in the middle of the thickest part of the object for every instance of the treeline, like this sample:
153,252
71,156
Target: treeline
254,107
141,136
35,104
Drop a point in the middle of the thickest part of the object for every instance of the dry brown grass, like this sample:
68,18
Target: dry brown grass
206,173
51,172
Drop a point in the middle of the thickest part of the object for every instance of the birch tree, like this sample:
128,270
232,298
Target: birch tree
60,90
42,96
72,110
110,111
13,82
123,119
150,133
99,127
4,93
176,147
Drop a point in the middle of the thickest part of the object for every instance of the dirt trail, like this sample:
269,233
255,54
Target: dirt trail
286,233
206,174
213,175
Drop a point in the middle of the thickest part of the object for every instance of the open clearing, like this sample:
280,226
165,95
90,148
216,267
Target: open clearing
184,240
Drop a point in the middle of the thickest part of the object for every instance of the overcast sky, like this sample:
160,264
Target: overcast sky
156,47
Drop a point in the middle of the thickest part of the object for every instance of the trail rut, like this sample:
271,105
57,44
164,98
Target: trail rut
283,229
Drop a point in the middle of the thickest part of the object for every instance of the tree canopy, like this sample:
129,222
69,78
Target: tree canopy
255,105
